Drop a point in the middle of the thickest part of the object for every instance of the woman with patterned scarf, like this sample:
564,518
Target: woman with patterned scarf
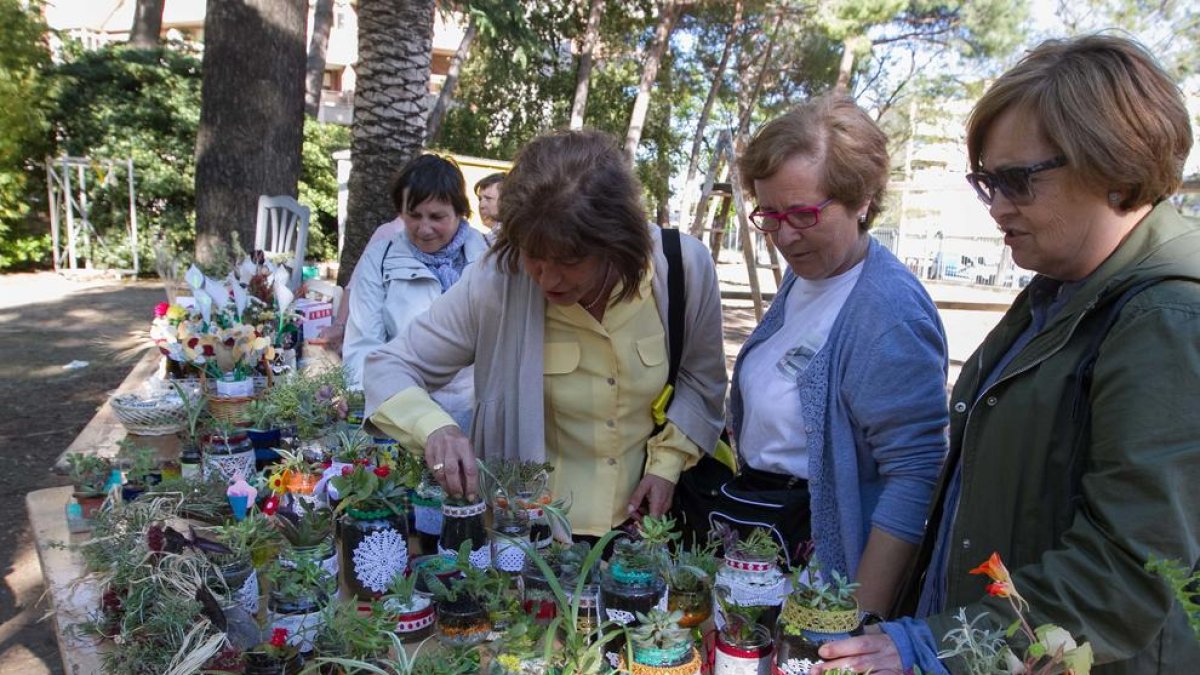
398,277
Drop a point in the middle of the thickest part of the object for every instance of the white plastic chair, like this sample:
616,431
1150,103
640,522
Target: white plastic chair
286,221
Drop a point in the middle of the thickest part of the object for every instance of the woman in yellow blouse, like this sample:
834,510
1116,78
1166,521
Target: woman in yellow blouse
565,321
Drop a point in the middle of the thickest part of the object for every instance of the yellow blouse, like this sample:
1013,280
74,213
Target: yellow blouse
600,381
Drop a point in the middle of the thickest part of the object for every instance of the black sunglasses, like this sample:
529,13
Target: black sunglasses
1012,182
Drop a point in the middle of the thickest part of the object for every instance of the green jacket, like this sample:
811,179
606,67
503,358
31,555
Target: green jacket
1076,553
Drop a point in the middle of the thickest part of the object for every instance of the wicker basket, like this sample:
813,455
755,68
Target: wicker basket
231,409
156,416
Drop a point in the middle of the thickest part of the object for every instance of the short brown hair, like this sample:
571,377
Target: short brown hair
488,181
833,129
430,176
1106,105
572,194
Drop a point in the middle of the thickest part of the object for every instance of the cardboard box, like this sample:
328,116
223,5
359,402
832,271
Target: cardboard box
316,315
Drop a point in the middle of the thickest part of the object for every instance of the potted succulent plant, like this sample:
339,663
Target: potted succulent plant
742,645
274,656
462,604
512,485
520,650
249,544
195,417
89,474
659,645
309,534
142,471
299,590
634,581
750,572
564,562
293,474
689,584
413,611
817,611
347,635
373,534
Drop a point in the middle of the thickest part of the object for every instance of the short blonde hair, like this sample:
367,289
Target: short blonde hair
1106,105
833,129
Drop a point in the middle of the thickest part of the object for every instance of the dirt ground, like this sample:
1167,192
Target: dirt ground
47,321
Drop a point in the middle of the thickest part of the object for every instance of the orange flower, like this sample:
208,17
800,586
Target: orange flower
995,569
1000,589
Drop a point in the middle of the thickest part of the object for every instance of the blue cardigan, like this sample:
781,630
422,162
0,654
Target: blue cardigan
873,404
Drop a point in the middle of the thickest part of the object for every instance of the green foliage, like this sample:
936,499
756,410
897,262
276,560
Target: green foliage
88,472
1184,584
24,137
835,595
346,633
318,185
309,529
302,578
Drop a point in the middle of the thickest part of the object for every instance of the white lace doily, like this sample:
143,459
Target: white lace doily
378,558
796,666
620,616
247,595
510,557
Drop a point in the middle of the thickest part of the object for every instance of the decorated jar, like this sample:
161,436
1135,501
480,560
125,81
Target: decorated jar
510,537
226,456
301,616
753,581
427,513
747,654
802,630
462,622
681,659
373,549
415,618
461,523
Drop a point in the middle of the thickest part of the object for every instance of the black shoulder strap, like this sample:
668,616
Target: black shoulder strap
382,260
676,300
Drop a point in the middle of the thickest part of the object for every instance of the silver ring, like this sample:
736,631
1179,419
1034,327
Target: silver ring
437,467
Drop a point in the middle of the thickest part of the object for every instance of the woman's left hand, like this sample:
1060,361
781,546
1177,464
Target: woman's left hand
655,492
876,654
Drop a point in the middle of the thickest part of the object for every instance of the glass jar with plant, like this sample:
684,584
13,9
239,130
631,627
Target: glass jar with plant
634,581
250,543
293,474
195,417
299,590
463,522
689,584
226,452
660,646
412,610
373,535
89,474
347,634
524,485
564,562
821,608
141,469
462,612
520,650
510,539
751,571
263,432
309,534
742,645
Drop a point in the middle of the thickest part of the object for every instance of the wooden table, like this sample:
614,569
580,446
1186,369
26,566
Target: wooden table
73,600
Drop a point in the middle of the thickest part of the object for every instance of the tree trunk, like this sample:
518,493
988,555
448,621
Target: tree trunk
446,95
846,68
668,12
583,79
395,41
750,97
318,44
251,115
698,140
147,24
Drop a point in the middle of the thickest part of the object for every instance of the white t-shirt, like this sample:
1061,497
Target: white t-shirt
772,437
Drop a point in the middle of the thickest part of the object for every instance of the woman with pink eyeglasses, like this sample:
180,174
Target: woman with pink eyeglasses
839,395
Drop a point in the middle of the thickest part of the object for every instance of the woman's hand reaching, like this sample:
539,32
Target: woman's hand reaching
451,458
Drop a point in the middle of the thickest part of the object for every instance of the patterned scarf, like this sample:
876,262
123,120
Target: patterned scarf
448,262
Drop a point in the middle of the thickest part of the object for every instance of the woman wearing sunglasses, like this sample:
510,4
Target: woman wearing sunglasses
839,395
564,320
1074,433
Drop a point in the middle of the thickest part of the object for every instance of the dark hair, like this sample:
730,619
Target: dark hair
488,181
430,177
1105,104
830,128
572,194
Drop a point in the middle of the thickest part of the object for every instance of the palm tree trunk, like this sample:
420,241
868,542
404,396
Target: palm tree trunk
251,114
147,24
391,103
584,78
668,12
846,67
318,44
446,95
